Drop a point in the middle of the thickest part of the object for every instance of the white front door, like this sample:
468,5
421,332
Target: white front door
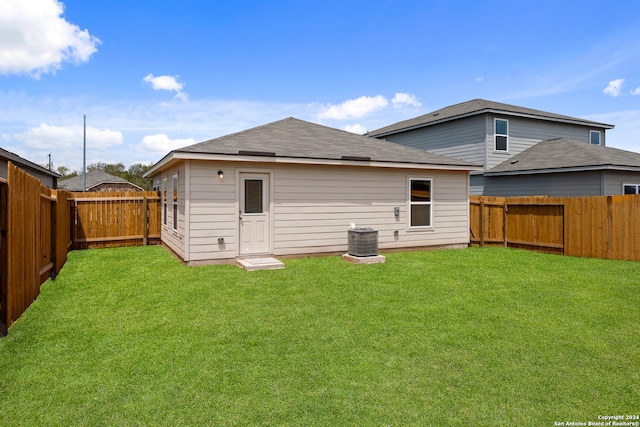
255,230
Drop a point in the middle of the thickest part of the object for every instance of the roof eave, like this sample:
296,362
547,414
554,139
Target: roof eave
562,170
177,155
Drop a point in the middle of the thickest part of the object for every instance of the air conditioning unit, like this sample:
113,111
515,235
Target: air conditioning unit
363,241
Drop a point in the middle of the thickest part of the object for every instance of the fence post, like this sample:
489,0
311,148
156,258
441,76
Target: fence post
4,259
481,223
145,222
54,235
609,227
505,212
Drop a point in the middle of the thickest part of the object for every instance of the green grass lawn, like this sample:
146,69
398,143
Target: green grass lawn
473,337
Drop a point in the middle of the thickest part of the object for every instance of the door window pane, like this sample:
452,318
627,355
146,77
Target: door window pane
253,196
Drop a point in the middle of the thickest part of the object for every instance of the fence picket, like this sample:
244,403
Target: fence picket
110,219
596,227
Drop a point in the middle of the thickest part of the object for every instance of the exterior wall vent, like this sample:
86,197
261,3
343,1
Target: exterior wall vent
363,241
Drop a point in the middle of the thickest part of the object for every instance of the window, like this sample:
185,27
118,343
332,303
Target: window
594,137
631,188
253,199
164,201
501,135
175,201
420,202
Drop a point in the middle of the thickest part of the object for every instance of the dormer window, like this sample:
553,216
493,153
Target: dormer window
594,137
501,135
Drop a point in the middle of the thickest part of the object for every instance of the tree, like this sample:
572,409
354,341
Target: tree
135,173
116,169
66,172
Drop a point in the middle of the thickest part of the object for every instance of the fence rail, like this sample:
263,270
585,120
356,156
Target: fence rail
596,227
108,219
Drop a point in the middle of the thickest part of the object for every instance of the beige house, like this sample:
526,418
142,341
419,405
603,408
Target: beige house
295,188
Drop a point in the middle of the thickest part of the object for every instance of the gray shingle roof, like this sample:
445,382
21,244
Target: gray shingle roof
474,107
562,154
94,178
294,138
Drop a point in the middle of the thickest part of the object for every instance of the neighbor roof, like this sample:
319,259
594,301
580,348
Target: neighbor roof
563,155
19,161
475,107
293,139
94,178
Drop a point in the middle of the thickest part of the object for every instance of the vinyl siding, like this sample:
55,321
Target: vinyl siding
587,183
461,139
472,138
314,206
614,180
213,212
175,239
525,133
45,179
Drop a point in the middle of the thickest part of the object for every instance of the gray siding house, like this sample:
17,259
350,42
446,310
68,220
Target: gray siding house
47,177
492,134
292,188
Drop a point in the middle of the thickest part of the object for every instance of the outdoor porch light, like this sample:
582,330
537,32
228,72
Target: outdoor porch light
221,174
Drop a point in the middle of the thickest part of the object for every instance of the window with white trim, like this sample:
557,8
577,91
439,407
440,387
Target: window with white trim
501,134
631,188
164,201
175,201
594,137
420,202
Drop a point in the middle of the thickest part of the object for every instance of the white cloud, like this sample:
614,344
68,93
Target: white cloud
359,129
614,88
479,79
635,91
169,83
35,39
405,99
65,137
354,108
160,143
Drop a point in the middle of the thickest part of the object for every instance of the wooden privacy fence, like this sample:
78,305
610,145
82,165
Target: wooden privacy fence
102,220
34,240
596,227
38,227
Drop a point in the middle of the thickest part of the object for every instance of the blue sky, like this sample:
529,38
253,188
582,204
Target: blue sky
152,76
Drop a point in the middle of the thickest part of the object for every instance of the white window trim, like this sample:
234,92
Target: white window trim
599,137
496,134
175,184
165,190
631,185
410,203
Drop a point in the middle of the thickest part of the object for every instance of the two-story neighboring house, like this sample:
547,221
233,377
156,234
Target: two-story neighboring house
505,139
